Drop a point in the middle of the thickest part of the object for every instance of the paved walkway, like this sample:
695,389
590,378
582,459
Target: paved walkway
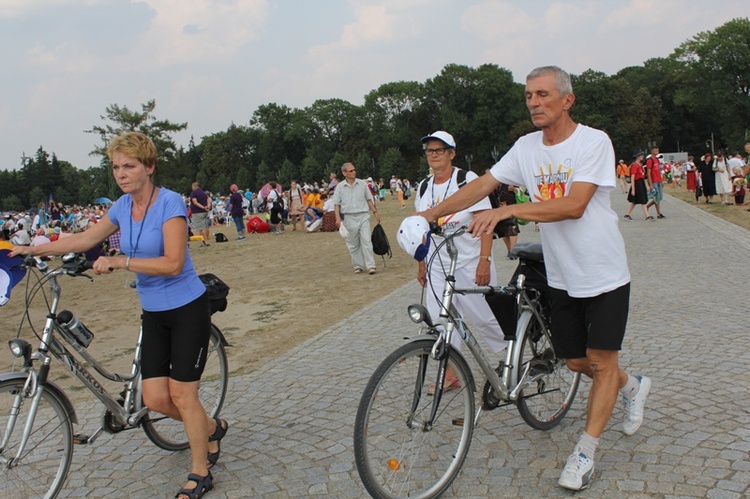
292,421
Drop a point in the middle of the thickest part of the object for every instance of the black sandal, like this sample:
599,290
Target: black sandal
203,485
213,457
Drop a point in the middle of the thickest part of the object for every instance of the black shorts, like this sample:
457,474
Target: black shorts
275,216
580,323
175,342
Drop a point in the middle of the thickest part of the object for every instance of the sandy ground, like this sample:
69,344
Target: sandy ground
284,289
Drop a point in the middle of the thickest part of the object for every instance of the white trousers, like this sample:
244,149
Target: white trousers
359,241
472,307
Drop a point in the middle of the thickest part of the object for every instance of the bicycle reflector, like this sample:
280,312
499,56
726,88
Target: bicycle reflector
20,348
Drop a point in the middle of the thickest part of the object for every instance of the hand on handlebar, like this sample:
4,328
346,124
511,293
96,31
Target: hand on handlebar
484,222
21,250
107,264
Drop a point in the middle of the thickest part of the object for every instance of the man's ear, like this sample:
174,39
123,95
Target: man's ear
569,99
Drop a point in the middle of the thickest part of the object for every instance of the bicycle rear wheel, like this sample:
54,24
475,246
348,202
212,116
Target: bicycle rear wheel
552,387
169,434
396,455
44,464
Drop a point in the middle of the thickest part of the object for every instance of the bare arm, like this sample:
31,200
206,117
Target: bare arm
567,207
465,197
174,233
77,243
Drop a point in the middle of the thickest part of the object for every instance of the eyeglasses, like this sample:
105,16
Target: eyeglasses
437,151
350,171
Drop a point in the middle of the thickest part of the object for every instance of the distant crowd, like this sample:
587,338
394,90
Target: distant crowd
271,209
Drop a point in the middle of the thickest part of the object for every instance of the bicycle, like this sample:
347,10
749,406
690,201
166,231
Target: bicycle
36,445
410,443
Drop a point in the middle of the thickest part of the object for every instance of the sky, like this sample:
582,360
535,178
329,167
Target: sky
211,63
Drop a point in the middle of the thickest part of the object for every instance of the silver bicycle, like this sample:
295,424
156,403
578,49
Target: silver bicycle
37,417
409,443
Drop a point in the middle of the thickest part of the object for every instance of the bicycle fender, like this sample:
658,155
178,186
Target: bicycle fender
52,388
222,339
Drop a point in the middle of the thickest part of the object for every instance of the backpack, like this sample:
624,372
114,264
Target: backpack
380,244
278,202
460,178
220,238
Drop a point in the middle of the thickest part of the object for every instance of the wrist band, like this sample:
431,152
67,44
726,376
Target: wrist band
127,263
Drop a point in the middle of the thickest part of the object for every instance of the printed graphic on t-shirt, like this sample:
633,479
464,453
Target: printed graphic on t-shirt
551,184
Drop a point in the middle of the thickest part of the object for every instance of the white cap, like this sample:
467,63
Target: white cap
414,238
442,136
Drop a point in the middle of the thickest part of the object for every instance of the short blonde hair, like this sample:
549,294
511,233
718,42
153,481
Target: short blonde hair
134,144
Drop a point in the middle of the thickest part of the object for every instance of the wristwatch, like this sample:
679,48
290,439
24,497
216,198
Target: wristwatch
488,258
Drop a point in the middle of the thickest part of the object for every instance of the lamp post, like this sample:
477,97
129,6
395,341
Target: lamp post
495,153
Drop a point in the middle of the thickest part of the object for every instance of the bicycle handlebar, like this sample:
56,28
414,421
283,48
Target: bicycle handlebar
73,264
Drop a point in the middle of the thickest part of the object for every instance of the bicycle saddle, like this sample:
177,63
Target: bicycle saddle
528,251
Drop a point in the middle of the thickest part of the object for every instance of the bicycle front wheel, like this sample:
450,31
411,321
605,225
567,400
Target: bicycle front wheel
169,434
398,454
44,463
551,386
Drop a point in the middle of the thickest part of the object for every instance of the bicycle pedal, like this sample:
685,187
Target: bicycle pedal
80,439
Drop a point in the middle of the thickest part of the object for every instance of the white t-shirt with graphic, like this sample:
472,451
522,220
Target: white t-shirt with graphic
469,247
586,257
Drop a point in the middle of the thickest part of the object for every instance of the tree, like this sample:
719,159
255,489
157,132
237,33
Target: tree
123,119
226,153
477,106
12,203
718,81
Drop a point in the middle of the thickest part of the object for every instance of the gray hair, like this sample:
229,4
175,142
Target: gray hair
343,167
562,78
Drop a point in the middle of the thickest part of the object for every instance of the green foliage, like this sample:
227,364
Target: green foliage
121,119
12,203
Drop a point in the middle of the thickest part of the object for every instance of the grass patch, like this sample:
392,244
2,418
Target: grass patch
734,214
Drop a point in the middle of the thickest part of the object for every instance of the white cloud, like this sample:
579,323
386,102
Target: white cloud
190,31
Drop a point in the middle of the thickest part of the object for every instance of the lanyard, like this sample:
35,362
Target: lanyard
445,194
143,222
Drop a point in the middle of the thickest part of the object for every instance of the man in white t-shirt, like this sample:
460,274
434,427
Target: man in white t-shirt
474,266
567,168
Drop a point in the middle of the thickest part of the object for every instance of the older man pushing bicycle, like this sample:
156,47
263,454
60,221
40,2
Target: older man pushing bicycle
567,168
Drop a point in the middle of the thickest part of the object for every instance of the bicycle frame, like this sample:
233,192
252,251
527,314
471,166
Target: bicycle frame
508,387
37,381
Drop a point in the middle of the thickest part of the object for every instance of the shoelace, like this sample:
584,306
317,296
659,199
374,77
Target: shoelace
628,404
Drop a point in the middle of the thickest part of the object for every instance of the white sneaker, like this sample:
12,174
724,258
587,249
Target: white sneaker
634,408
577,472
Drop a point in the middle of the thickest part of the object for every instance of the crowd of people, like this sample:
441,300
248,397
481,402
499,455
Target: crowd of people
584,251
714,175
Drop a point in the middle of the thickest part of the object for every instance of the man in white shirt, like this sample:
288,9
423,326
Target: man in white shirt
352,205
567,168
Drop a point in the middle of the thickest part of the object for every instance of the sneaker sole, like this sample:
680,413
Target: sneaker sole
645,385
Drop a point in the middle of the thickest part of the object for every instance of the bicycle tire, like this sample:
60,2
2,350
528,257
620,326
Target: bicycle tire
546,399
169,434
44,466
397,460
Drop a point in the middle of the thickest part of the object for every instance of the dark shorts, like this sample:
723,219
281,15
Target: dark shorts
275,216
580,323
175,342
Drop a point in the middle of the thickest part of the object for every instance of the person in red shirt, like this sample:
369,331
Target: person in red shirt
653,182
638,192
